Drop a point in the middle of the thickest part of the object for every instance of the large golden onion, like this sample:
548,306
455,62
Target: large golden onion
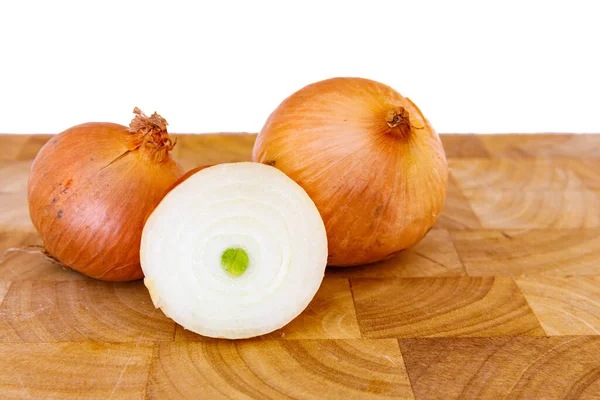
369,159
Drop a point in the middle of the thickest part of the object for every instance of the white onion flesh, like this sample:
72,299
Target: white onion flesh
239,205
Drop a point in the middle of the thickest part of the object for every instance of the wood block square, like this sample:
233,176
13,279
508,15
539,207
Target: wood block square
14,212
43,311
457,212
24,240
11,146
32,146
504,367
14,209
588,171
435,255
4,286
510,174
463,146
439,307
519,252
312,369
195,150
564,305
14,176
512,209
31,263
74,370
542,146
330,315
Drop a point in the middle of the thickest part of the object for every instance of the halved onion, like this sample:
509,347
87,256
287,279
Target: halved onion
234,251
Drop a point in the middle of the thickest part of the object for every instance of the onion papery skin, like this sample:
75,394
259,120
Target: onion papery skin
246,206
90,191
369,159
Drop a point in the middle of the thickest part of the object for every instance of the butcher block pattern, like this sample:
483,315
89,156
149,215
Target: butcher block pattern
500,300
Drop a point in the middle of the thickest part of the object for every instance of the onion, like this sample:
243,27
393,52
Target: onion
368,158
234,251
91,189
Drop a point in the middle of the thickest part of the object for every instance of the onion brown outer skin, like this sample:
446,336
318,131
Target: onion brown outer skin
379,185
90,191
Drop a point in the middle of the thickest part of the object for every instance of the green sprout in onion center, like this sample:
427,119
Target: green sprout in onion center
234,261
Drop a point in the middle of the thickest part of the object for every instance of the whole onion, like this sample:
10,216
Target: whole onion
91,189
368,158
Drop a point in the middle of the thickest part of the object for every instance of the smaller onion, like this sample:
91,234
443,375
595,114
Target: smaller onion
91,189
234,251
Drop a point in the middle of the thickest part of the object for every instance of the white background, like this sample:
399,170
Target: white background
222,66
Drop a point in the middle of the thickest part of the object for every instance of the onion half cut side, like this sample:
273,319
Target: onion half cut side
234,251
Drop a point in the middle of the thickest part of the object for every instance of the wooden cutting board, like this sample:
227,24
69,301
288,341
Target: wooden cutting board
502,298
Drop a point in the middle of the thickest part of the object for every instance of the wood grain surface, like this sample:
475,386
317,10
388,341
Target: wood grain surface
4,286
73,311
564,305
510,174
435,255
92,370
547,209
587,170
535,251
429,307
500,300
504,367
457,213
542,146
349,369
